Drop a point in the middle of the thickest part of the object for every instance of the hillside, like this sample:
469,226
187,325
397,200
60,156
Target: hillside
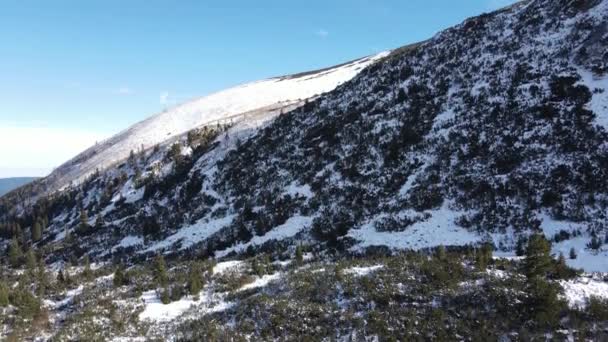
379,202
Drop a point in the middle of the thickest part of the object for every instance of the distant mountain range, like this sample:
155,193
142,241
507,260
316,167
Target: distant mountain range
8,184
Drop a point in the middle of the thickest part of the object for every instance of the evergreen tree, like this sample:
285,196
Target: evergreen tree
68,237
66,277
4,294
41,279
441,253
195,284
36,231
175,153
595,243
84,222
30,261
543,302
242,233
60,277
261,265
15,253
99,222
131,159
120,277
562,271
17,230
538,261
299,256
160,271
520,249
483,256
573,253
165,296
87,272
177,292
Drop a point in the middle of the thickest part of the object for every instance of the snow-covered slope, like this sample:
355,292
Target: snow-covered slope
223,106
489,132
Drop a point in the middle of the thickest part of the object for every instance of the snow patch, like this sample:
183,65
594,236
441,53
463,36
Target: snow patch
439,229
155,310
363,271
599,102
68,299
288,229
586,259
226,266
295,190
578,291
261,282
193,234
129,241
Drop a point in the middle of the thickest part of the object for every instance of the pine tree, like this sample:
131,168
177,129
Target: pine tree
176,153
30,262
165,296
195,284
4,294
99,222
441,253
15,253
299,256
483,256
131,157
543,301
17,230
561,260
66,277
68,239
562,271
84,222
573,253
520,249
160,271
120,278
60,277
36,231
41,279
261,265
87,272
595,243
538,261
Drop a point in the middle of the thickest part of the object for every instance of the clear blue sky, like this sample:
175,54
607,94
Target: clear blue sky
87,69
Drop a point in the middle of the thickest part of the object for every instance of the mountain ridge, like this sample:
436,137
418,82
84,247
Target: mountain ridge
192,114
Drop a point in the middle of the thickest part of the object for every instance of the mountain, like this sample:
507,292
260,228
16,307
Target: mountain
8,184
359,213
225,106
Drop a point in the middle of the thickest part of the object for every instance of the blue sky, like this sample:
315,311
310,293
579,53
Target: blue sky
74,72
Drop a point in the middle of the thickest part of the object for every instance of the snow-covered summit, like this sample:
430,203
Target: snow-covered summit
225,106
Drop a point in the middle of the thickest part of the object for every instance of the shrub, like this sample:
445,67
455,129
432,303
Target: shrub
598,308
